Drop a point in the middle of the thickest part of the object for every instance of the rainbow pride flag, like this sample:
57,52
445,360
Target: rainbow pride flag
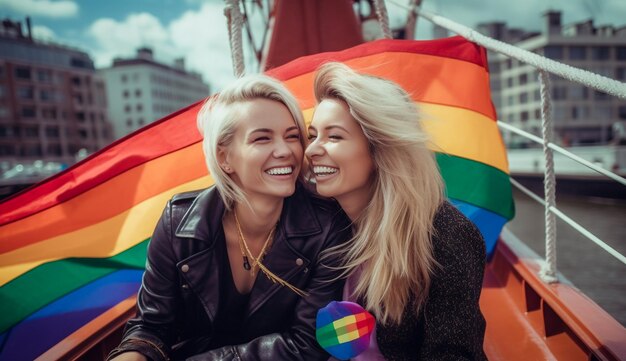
74,245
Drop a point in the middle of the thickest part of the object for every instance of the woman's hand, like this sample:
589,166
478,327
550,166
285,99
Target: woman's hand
130,356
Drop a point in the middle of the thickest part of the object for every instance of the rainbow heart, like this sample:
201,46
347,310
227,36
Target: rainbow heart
343,329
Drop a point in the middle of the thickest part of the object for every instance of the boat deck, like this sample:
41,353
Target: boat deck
526,319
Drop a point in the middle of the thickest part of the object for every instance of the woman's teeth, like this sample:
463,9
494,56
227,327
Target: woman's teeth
279,171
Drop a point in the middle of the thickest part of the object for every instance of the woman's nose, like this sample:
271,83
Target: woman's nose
281,149
314,149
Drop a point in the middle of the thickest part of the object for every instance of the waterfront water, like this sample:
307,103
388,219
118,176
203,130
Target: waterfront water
595,272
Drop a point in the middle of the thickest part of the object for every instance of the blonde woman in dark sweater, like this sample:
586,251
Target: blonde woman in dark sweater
415,262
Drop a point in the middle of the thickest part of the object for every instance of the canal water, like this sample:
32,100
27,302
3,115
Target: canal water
591,269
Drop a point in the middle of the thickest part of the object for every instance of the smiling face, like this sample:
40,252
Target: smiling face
339,155
265,155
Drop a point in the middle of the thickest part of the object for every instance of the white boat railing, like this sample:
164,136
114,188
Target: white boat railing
544,66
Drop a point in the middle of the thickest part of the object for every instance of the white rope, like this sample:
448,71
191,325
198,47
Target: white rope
585,77
572,223
235,24
563,151
548,271
383,18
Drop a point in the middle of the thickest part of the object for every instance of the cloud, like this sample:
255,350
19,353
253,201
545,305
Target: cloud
200,36
121,39
43,8
43,33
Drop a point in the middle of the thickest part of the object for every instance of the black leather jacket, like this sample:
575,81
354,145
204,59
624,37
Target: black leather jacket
179,296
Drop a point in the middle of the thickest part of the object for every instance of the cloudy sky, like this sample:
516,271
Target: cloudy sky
196,29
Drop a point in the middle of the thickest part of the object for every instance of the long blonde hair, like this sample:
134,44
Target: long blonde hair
391,248
218,118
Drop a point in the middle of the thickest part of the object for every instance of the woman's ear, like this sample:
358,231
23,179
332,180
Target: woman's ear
222,159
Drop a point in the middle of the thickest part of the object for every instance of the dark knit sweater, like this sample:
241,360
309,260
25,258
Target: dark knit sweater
450,325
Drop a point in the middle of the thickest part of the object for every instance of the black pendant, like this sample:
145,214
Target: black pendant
246,263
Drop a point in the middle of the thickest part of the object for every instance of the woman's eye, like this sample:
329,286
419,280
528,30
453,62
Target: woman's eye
335,137
312,136
261,139
293,136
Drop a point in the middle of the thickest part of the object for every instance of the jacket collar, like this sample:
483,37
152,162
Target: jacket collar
203,222
204,217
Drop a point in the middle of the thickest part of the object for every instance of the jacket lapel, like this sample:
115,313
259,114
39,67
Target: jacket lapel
202,224
286,258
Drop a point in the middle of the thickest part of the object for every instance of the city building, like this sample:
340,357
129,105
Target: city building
52,102
141,90
581,116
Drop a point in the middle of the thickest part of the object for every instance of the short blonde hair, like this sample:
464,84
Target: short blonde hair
218,120
392,245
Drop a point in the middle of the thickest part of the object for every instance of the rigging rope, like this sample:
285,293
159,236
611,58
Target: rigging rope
383,18
235,24
585,77
548,271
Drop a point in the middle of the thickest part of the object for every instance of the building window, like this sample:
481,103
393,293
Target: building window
578,92
49,113
76,81
600,52
141,122
524,116
29,112
126,93
537,96
509,82
537,113
127,108
621,111
129,122
620,73
124,78
523,79
580,112
559,93
620,52
6,150
25,92
44,76
83,133
523,98
54,149
31,150
553,52
602,112
558,113
22,73
577,53
598,95
510,100
139,107
46,95
138,93
52,132
31,132
80,116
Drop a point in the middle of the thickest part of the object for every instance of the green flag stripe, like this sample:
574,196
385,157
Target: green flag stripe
477,183
50,281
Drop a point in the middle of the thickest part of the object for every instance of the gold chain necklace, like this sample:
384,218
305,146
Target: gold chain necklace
245,252
256,262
